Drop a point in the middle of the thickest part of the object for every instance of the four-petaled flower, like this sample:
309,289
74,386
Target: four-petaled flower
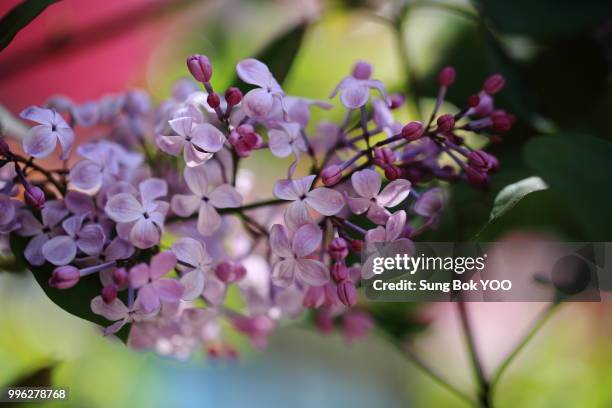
40,140
152,288
88,238
198,141
286,141
205,199
52,215
367,184
192,254
294,262
141,222
259,102
355,89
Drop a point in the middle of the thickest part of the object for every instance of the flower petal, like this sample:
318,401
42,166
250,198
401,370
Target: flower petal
115,310
306,240
279,242
283,272
148,300
285,190
139,275
39,141
297,215
144,234
207,137
395,225
193,157
172,145
162,263
53,213
366,183
151,189
38,115
312,272
196,180
66,139
209,219
59,250
185,205
358,205
214,290
355,96
79,203
258,103
325,201
33,252
225,196
193,284
182,126
254,72
123,208
73,224
191,252
91,239
279,143
394,193
118,249
304,184
168,290
86,175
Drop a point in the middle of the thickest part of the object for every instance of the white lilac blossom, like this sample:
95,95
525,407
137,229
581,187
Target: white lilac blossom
162,209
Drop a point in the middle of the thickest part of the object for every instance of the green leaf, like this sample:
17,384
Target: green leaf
578,168
510,195
544,18
19,17
279,54
75,300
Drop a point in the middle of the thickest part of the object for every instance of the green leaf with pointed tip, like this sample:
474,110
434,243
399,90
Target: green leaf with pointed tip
279,54
19,17
510,195
75,300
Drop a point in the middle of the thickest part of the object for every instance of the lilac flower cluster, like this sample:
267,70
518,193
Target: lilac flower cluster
160,210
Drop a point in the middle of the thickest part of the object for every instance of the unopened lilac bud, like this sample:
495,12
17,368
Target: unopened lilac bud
494,84
109,293
445,123
476,177
412,131
501,122
392,172
200,67
229,272
339,272
446,76
479,160
233,96
356,245
331,175
5,150
121,277
314,297
213,100
362,70
347,293
397,100
384,156
34,197
338,248
64,277
473,100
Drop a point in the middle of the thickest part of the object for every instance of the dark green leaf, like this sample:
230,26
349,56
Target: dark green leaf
75,300
510,195
578,168
19,17
279,54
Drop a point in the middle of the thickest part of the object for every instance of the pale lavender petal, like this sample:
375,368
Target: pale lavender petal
86,175
148,300
33,252
168,290
209,219
345,83
254,72
91,239
152,189
72,225
118,249
280,143
394,193
325,201
38,115
66,139
79,203
162,263
376,84
185,205
377,234
358,205
378,214
29,224
297,215
312,272
39,141
172,145
194,157
193,284
59,250
191,252
366,183
182,126
144,234
258,103
214,290
225,196
279,242
207,137
124,229
395,225
139,275
285,190
124,208
306,240
283,272
53,213
115,327
112,311
196,180
355,96
304,184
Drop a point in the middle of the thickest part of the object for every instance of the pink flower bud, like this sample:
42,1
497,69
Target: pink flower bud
5,150
339,272
384,156
229,272
356,325
397,100
476,177
324,321
478,160
412,131
64,277
347,293
121,277
362,70
502,122
109,293
233,96
392,172
356,245
331,175
338,248
213,100
34,197
200,67
446,76
445,123
473,100
314,297
331,294
494,84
